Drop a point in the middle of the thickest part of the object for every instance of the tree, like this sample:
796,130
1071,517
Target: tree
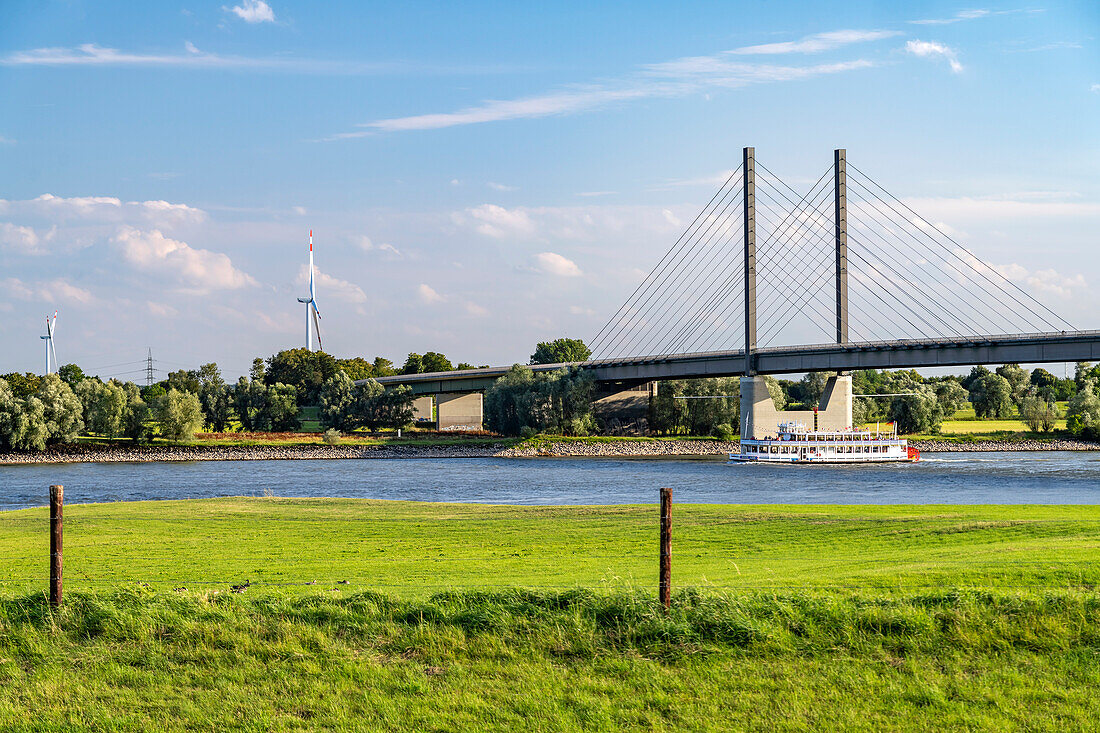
813,386
249,400
1083,413
970,381
992,397
22,385
137,411
669,413
281,408
383,367
180,415
106,410
71,375
1018,380
1038,412
184,380
337,400
433,361
303,369
919,412
560,351
356,368
951,396
62,410
257,370
213,396
414,364
22,421
779,398
376,407
558,401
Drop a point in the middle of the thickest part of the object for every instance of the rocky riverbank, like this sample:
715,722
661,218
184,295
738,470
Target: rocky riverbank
611,449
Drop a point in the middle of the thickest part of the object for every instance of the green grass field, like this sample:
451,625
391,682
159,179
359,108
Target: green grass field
474,617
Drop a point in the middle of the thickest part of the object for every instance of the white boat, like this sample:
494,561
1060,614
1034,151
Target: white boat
795,444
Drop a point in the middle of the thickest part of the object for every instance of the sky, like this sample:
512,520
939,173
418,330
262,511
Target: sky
483,176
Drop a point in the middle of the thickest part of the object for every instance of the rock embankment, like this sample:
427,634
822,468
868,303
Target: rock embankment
565,449
985,446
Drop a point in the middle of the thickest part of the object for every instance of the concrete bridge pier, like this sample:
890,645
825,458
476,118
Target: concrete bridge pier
760,419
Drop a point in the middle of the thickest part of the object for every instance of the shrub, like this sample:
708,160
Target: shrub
724,431
332,436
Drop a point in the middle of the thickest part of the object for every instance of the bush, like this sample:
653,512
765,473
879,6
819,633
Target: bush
559,401
724,432
332,436
1083,415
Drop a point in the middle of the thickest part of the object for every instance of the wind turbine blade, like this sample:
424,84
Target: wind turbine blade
317,327
54,350
310,263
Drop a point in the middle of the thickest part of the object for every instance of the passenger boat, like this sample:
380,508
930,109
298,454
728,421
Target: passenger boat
795,444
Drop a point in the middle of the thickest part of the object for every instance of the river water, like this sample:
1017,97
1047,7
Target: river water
942,478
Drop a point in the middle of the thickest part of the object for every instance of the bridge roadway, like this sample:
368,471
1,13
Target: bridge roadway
1031,348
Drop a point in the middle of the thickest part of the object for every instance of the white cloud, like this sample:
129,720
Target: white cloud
163,310
24,239
960,16
499,222
102,209
1000,208
197,269
579,311
1095,88
554,264
1046,281
817,43
56,290
6,140
676,78
364,243
428,296
931,49
476,310
500,186
253,11
327,285
593,194
716,179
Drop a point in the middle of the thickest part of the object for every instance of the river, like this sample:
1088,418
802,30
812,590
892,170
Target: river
943,478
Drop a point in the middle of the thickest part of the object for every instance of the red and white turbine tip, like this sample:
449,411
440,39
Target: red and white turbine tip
310,240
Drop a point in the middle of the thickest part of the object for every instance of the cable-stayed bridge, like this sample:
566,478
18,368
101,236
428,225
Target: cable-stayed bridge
844,276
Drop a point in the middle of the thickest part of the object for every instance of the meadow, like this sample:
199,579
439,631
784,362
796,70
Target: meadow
396,615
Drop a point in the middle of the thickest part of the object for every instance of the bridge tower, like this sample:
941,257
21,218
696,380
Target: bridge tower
758,414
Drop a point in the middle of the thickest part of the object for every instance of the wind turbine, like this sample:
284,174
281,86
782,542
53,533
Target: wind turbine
313,316
48,338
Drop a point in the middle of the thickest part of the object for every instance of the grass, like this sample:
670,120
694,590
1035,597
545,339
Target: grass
473,617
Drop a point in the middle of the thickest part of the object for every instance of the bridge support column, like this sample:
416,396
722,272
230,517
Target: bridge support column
759,418
459,410
748,162
840,211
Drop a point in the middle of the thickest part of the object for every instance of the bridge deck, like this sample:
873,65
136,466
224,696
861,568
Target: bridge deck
1033,348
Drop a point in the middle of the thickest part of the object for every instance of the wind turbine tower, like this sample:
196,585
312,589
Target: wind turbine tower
313,316
51,352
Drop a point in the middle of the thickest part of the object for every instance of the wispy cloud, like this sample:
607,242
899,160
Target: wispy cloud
428,296
932,49
818,42
500,186
956,18
252,11
94,55
1095,88
676,78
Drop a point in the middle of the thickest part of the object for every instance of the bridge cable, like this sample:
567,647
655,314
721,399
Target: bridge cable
970,254
612,341
667,256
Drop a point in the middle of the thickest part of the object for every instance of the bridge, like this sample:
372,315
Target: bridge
767,281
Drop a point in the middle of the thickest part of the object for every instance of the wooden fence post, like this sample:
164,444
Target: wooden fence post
57,501
665,586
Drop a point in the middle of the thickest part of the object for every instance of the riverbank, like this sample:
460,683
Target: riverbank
536,447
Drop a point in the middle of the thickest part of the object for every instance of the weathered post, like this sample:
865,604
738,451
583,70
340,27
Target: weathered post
57,501
665,583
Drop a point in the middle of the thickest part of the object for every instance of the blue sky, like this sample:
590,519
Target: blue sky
482,176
